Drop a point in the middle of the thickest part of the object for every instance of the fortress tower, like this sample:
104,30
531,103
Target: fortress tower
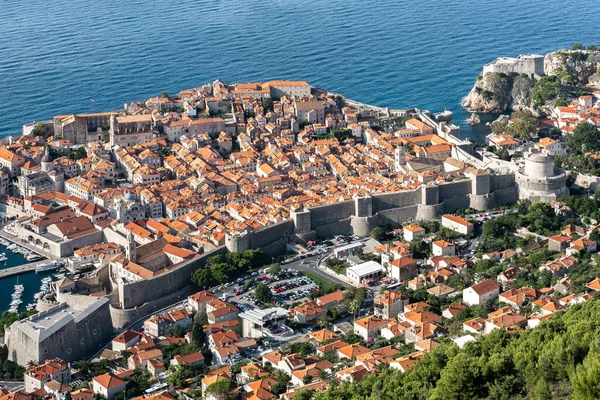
539,180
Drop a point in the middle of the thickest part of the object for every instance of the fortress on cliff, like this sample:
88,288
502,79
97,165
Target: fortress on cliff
529,64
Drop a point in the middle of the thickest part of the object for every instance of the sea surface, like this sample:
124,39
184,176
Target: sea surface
59,57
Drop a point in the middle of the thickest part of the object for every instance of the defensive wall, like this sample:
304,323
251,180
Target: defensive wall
360,215
137,293
357,216
122,318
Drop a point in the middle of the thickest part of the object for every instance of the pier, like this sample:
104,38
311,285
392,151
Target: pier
20,269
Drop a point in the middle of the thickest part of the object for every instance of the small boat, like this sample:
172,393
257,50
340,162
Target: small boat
59,276
33,257
47,267
30,307
11,246
3,258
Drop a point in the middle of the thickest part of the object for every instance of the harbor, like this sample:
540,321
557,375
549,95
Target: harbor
25,274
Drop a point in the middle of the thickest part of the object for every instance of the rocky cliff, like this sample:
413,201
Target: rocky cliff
497,92
585,65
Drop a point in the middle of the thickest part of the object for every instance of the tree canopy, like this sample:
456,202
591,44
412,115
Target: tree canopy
224,268
585,138
263,294
557,360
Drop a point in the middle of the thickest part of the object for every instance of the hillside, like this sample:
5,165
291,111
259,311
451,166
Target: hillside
557,360
567,72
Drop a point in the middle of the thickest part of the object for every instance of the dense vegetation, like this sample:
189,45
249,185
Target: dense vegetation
553,87
557,360
585,138
9,317
225,268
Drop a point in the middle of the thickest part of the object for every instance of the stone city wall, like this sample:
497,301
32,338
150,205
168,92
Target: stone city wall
137,293
323,215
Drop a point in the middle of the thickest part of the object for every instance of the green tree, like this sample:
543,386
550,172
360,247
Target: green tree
42,129
524,124
585,138
178,375
263,294
420,249
274,269
279,388
577,46
307,379
220,389
304,394
378,233
303,348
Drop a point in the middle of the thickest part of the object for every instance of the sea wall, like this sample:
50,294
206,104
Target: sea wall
72,338
356,216
498,182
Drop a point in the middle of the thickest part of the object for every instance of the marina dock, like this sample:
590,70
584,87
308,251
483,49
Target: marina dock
21,269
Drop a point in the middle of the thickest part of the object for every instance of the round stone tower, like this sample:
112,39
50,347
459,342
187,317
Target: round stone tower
539,180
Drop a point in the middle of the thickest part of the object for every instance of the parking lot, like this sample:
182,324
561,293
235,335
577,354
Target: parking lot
288,287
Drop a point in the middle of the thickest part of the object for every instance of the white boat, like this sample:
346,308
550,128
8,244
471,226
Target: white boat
49,266
33,257
59,276
3,258
11,246
30,307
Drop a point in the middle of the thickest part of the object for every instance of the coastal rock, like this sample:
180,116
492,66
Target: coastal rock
474,119
584,64
498,92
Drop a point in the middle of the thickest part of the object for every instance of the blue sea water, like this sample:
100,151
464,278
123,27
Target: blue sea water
55,56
